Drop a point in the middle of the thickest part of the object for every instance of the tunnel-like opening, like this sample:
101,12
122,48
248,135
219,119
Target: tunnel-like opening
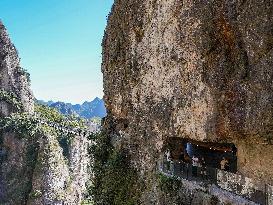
210,154
209,163
216,155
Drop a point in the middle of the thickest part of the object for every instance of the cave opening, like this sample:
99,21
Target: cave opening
210,154
216,155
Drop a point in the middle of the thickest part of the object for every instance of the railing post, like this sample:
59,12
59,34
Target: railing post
188,171
266,194
172,167
216,174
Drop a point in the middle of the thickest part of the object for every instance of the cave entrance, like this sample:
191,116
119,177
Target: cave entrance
215,155
207,153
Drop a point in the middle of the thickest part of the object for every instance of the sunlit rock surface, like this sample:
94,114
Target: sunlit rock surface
198,70
12,78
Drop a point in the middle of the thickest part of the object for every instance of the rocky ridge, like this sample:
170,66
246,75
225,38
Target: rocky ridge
88,110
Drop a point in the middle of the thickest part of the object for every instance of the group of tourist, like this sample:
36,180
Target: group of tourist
197,163
201,163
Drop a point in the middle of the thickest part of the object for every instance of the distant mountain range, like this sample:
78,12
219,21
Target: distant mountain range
87,110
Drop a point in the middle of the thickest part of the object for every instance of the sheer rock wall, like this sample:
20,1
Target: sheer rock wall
198,70
12,78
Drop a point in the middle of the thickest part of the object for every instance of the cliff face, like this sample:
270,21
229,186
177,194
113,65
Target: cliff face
38,165
199,70
13,77
59,179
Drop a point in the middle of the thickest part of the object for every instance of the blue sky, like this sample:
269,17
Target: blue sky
59,43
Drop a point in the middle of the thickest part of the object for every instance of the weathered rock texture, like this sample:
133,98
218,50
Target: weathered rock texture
58,180
12,78
198,70
34,169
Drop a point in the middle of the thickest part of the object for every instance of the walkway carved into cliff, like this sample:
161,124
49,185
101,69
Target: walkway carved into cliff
237,184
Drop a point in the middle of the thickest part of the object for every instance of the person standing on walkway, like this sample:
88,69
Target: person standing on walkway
168,155
187,158
224,164
195,164
168,159
203,167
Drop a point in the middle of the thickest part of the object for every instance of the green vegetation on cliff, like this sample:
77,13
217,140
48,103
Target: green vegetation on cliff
115,181
54,116
23,71
31,129
45,120
10,98
168,184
